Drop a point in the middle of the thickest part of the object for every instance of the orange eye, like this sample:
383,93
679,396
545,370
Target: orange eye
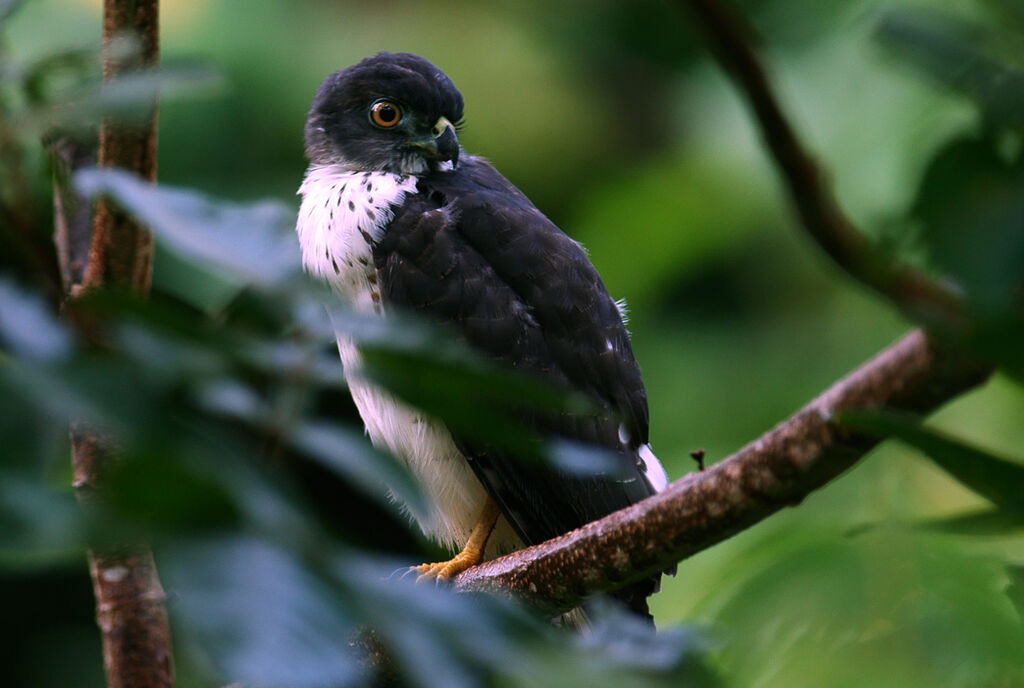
385,114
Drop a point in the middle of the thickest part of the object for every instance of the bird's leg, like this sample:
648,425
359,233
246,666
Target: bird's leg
471,554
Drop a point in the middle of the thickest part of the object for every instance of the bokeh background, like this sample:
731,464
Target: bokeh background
610,117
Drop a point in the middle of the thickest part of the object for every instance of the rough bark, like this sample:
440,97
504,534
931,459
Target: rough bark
72,214
121,253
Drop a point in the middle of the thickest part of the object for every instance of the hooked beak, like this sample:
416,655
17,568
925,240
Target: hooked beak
441,144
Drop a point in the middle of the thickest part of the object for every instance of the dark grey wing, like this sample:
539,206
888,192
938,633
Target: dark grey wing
471,252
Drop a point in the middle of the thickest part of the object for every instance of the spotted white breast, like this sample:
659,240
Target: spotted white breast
343,214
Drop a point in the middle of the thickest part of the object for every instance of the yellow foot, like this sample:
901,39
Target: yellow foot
443,570
471,555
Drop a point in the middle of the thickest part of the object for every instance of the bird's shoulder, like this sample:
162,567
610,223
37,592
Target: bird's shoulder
469,249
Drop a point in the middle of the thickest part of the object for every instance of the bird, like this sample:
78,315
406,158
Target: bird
399,220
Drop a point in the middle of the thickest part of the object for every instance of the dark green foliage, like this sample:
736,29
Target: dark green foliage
261,592
969,208
999,480
243,462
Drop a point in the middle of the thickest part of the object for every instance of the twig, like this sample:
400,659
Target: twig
130,608
777,470
731,39
72,216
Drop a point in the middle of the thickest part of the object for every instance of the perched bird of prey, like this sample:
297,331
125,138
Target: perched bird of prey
396,217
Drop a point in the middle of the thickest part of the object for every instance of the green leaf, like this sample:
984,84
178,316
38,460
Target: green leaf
167,494
8,7
37,522
997,479
250,244
337,449
441,639
68,94
193,283
351,456
1012,10
1000,339
971,208
1015,590
28,328
257,615
985,522
957,52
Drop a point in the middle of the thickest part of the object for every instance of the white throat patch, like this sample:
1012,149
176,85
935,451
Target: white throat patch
343,214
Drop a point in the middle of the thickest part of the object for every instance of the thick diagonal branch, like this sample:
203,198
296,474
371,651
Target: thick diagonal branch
777,470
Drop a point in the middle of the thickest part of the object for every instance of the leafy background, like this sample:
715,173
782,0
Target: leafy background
610,117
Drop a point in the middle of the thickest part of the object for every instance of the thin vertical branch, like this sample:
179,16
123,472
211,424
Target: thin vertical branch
130,609
72,213
122,251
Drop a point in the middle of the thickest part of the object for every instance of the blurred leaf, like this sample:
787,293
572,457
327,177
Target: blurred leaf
8,7
481,403
999,480
351,456
247,243
1015,590
37,523
194,284
162,492
971,206
1012,10
956,52
27,326
580,459
441,639
1000,339
627,641
987,522
340,451
76,100
257,615
48,76
888,611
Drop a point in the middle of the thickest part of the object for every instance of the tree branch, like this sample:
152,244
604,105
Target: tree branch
122,251
730,39
798,456
777,470
130,608
72,216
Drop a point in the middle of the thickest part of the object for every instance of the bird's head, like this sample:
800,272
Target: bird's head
393,112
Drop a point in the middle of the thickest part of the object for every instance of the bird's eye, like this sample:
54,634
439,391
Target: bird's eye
385,114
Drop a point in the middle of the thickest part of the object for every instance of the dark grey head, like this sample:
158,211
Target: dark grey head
392,112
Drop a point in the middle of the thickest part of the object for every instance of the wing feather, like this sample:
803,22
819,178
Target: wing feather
470,251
